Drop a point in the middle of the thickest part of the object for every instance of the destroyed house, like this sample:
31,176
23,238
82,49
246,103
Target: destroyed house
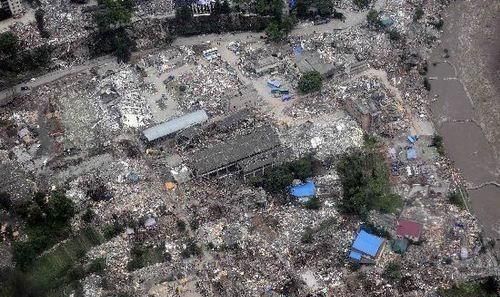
409,229
366,248
365,113
312,62
244,153
178,124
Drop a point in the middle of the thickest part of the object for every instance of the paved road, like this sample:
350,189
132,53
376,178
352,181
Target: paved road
5,95
352,19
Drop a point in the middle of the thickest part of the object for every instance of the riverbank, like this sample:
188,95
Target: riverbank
465,81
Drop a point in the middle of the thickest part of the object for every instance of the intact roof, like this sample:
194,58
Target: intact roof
408,228
233,150
175,125
303,190
275,155
367,243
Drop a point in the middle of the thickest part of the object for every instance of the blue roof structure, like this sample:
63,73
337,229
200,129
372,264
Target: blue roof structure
307,189
355,255
297,50
411,153
367,243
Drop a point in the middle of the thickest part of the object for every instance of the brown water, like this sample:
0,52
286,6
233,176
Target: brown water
457,120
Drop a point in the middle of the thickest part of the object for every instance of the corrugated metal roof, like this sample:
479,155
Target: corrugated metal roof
233,150
175,125
367,243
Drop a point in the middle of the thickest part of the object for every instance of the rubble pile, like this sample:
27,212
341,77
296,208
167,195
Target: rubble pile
154,8
122,93
207,87
328,135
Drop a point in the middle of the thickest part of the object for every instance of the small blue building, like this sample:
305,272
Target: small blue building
304,191
366,248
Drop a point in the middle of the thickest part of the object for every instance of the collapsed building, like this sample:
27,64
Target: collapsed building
309,61
10,8
245,154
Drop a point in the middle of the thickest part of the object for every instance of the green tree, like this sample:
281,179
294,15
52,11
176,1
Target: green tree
392,272
183,14
362,3
310,82
270,7
325,7
365,183
373,18
274,32
9,44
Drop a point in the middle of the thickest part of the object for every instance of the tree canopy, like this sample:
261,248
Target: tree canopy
365,183
310,82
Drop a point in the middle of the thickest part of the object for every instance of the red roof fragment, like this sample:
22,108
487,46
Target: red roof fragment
409,229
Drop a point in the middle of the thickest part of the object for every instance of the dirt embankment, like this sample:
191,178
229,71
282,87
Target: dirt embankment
473,38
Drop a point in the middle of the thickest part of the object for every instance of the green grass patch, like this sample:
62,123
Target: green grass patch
52,269
143,256
486,288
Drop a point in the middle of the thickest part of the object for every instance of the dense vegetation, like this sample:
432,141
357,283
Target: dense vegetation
16,61
113,35
310,82
487,288
279,178
365,183
142,256
304,8
47,222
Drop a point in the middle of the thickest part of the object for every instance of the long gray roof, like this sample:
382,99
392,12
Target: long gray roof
234,150
175,125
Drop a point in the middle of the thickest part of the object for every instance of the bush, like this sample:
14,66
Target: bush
142,256
470,289
192,249
365,183
279,178
5,201
419,13
456,199
394,35
40,22
88,216
373,18
392,272
438,25
437,141
362,3
9,44
313,203
111,230
310,82
181,225
97,266
307,236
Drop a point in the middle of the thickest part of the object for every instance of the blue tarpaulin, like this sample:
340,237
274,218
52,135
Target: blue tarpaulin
303,190
367,243
412,138
411,153
297,50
